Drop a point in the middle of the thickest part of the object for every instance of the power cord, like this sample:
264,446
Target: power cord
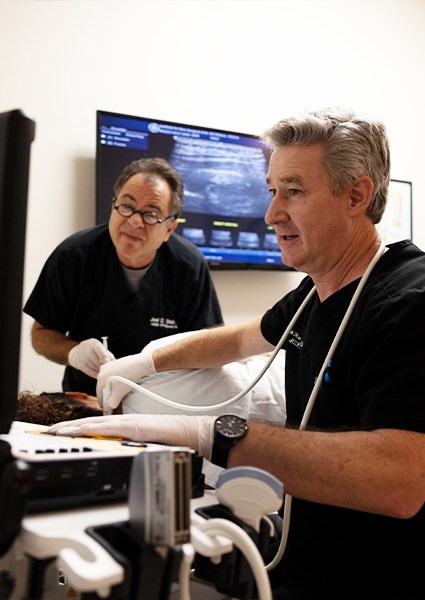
326,363
188,552
242,541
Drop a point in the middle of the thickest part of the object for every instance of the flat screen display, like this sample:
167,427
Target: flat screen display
225,192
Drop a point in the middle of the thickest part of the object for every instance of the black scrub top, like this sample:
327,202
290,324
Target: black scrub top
376,380
82,291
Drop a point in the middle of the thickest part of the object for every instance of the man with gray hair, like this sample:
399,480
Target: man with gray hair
352,453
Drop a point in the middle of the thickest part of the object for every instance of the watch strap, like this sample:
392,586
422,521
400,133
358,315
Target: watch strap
221,450
223,444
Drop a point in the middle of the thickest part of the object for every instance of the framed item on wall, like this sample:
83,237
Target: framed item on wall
396,224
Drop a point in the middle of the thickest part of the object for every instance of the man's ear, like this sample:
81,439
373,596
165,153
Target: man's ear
361,193
171,229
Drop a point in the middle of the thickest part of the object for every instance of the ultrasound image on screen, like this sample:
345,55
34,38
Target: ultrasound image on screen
226,179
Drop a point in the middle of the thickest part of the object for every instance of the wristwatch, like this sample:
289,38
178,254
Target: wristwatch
228,429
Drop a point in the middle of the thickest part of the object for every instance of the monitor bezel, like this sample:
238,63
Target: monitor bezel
17,132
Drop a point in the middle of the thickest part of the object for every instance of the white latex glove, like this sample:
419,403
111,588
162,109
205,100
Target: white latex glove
195,432
88,356
132,367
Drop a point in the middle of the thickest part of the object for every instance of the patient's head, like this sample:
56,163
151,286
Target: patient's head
48,408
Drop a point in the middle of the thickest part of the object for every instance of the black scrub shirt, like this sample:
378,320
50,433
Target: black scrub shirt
82,291
376,380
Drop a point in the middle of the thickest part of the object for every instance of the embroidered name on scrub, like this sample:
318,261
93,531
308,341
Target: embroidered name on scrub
295,340
164,323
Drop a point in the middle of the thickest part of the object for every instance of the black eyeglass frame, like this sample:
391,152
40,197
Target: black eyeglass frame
145,213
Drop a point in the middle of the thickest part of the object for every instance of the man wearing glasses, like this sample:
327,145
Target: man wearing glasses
107,291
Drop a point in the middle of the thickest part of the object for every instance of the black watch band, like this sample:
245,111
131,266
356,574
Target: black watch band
228,430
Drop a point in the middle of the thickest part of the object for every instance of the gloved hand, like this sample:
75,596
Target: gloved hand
132,367
195,432
88,356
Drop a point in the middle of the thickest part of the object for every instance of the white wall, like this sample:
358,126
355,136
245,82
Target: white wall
239,65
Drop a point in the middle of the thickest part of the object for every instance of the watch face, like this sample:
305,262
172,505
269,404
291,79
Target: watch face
231,426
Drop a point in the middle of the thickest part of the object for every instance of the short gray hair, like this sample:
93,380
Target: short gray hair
355,145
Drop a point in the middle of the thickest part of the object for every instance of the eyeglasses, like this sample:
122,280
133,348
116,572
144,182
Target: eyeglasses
148,217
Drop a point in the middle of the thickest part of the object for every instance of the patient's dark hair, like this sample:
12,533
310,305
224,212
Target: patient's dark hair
49,408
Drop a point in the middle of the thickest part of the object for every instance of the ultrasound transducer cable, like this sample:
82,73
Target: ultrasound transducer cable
313,395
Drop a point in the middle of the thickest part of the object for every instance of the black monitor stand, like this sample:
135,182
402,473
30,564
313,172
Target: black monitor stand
16,135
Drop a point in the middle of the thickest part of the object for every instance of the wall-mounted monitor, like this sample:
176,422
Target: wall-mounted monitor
225,193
